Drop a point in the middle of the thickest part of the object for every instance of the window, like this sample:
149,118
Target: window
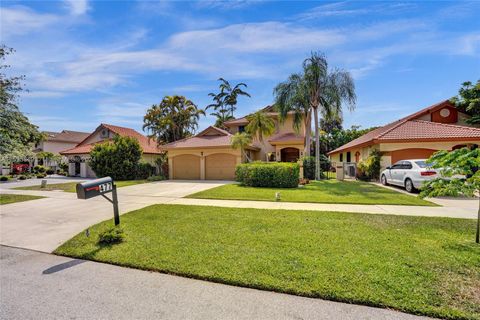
241,129
341,157
349,157
406,165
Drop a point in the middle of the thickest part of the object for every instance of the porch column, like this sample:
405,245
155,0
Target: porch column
202,167
83,170
71,169
170,168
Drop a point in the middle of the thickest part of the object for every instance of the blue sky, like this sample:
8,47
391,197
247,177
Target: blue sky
88,62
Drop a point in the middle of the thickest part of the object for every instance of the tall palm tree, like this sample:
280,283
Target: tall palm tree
241,140
316,90
260,125
232,93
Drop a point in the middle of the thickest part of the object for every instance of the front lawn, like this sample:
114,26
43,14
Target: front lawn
325,191
71,186
420,265
12,198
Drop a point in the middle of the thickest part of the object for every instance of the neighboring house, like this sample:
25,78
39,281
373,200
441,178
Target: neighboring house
56,142
79,155
209,155
417,136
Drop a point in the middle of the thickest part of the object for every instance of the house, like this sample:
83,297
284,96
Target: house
209,155
55,142
417,136
79,155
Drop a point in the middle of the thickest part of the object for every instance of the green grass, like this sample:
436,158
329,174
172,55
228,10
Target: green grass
12,198
327,191
70,186
420,265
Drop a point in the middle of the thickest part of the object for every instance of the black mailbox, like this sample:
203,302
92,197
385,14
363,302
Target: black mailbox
100,187
94,188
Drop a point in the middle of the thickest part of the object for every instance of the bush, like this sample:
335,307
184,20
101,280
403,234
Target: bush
3,178
118,159
309,167
41,175
50,171
22,178
268,174
370,168
111,236
39,169
156,178
144,170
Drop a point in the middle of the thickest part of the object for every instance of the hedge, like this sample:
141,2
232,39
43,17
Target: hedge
268,174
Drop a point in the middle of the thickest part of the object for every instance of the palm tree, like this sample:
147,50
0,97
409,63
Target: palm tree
224,102
174,118
241,140
260,125
317,90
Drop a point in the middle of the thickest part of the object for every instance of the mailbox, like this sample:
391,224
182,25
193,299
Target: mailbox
100,187
94,188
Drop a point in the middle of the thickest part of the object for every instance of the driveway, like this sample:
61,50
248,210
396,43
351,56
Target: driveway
43,286
45,224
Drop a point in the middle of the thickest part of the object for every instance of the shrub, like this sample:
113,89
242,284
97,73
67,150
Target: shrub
156,178
63,166
39,169
22,178
41,175
3,178
111,236
144,170
50,171
309,167
118,159
268,174
370,168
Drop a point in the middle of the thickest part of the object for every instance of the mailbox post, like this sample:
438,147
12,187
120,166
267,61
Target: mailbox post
100,187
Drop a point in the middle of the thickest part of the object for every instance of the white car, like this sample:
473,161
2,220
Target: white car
409,174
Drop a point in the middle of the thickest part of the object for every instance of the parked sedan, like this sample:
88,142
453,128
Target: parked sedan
409,174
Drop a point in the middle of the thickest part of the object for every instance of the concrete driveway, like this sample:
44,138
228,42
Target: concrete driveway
44,224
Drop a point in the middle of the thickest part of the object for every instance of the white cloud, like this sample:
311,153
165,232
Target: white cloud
77,7
19,20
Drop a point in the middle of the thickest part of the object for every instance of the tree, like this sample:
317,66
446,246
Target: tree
17,134
317,90
260,125
174,118
225,101
468,101
460,176
241,140
118,159
338,137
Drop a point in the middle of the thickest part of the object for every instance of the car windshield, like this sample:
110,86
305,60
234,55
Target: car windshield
422,164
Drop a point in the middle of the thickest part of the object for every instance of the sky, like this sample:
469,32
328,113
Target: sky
92,62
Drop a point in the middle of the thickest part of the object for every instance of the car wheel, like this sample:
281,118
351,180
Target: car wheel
409,186
384,180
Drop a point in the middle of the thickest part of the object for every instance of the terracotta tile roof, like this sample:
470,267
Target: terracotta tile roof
410,129
243,120
286,137
219,138
148,145
66,136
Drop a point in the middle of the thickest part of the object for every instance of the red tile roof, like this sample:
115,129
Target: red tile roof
217,138
286,137
410,129
66,136
148,145
243,120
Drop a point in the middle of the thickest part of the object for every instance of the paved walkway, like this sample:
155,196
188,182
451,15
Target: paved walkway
43,286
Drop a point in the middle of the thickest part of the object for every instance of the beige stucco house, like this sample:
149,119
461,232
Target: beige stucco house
417,136
79,155
56,142
209,155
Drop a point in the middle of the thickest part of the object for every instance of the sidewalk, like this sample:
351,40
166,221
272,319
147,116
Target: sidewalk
62,288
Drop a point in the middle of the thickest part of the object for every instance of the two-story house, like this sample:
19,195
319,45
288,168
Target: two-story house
210,156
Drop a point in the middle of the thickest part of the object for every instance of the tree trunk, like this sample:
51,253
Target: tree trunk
308,133
317,145
477,238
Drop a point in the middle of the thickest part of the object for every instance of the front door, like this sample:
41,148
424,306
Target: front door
290,155
77,168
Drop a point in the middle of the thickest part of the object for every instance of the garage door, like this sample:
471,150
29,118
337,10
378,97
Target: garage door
220,166
413,153
186,167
